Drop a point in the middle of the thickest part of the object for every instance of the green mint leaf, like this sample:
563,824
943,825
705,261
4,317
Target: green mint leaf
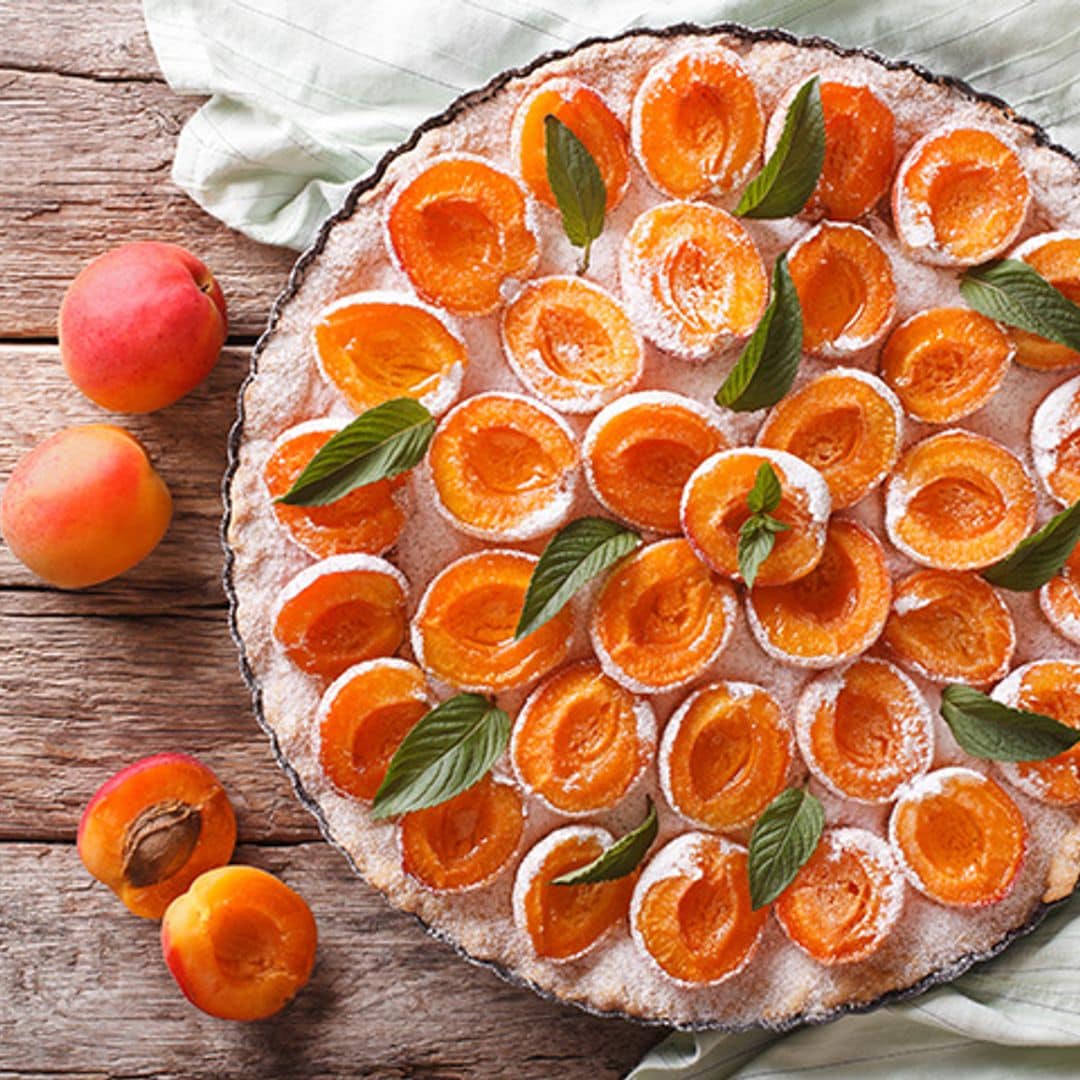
1039,557
578,187
765,495
378,444
990,730
755,543
574,556
447,751
783,839
1016,294
620,859
790,175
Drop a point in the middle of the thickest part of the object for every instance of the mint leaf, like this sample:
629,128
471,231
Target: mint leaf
578,187
765,495
1039,557
757,535
783,839
620,859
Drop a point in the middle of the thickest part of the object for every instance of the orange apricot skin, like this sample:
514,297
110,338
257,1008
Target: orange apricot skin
239,943
84,506
141,325
169,780
1056,256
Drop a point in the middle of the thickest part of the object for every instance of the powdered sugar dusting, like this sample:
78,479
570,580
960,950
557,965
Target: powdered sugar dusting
1056,420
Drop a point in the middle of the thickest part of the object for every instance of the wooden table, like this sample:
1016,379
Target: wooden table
93,680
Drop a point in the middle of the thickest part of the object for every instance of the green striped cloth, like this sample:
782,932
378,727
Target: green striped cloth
308,94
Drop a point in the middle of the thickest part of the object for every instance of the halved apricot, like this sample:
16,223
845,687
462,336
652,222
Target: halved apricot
833,613
960,197
504,467
564,922
581,741
340,611
846,290
460,228
1059,598
369,519
571,343
661,618
463,632
379,345
692,278
950,626
690,914
362,718
697,124
865,730
1055,441
465,842
958,501
714,508
725,755
640,451
846,424
587,115
845,900
1056,256
960,839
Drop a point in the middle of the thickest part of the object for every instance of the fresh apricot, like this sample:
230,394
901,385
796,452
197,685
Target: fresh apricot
1056,256
239,943
460,228
1059,598
1055,441
958,501
846,424
84,505
960,197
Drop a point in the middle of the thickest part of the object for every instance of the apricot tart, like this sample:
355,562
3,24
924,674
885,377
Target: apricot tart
548,380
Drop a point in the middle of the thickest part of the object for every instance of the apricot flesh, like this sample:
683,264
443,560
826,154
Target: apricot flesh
1059,598
1056,256
1055,441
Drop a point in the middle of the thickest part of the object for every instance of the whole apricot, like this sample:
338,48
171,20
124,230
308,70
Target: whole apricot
141,325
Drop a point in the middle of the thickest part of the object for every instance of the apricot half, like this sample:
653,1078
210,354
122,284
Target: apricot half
958,501
1055,441
1056,256
960,839
1059,598
725,755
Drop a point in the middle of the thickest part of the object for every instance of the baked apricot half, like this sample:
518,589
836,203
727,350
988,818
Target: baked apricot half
846,424
1055,441
865,730
571,343
960,197
504,467
835,612
692,278
959,838
845,900
725,755
958,501
1059,599
661,618
564,922
690,913
460,228
714,508
463,631
950,626
1056,256
340,611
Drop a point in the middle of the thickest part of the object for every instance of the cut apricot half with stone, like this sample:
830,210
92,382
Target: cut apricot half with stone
865,730
369,519
950,626
835,612
572,344
362,718
959,501
460,228
377,346
714,509
845,900
581,741
725,755
846,424
959,838
1055,441
690,914
692,278
960,197
504,467
1059,598
1056,256
465,842
463,632
846,290
697,124
640,451
564,922
341,611
661,618
153,828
